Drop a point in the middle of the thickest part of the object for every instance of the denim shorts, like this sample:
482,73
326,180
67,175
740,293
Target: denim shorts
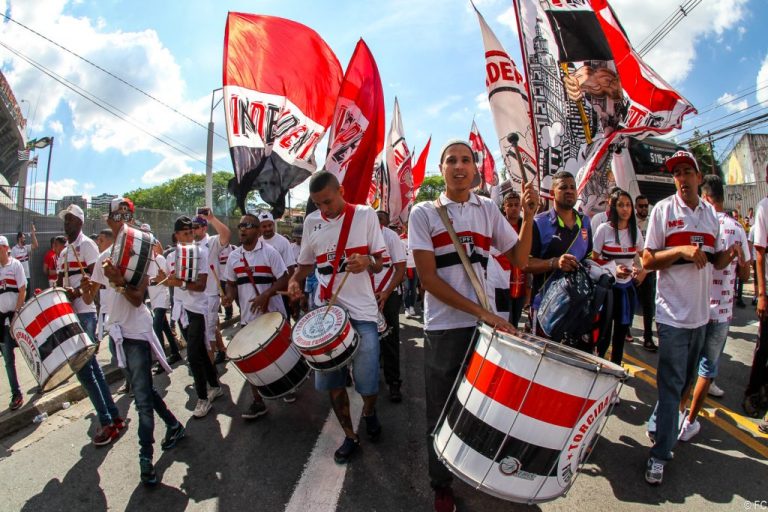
714,344
365,364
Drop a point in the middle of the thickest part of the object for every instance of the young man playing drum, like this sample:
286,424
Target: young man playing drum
452,308
345,242
255,272
130,326
13,285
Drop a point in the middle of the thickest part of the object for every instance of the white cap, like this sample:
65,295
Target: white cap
74,210
4,241
266,216
145,227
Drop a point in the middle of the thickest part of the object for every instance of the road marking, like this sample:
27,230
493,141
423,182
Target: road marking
747,438
321,481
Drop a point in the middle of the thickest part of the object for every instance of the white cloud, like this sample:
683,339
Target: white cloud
482,103
728,101
57,189
762,83
167,169
56,127
509,20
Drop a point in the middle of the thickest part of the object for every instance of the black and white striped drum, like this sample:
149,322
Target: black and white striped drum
325,338
51,339
187,264
263,353
132,253
524,415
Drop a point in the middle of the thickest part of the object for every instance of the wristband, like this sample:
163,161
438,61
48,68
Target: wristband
552,263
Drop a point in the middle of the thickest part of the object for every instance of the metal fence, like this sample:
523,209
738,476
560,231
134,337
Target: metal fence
744,196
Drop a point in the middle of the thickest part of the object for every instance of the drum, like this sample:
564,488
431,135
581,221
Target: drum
263,353
187,264
524,415
326,341
51,339
132,253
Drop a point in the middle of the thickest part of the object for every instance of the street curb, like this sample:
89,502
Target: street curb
51,402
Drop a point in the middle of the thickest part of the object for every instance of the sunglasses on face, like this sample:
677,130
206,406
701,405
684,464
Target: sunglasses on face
247,225
121,216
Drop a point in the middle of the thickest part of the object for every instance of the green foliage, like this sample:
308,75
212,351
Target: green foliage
431,188
703,154
185,193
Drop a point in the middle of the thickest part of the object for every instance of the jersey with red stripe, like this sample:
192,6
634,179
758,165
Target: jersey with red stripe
497,282
223,257
21,253
395,253
611,252
723,281
213,244
478,224
318,247
82,251
11,279
759,232
266,267
682,290
283,247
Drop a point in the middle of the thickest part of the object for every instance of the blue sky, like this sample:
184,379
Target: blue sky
429,54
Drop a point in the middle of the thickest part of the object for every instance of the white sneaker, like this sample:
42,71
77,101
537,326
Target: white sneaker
202,408
689,430
412,312
214,393
715,391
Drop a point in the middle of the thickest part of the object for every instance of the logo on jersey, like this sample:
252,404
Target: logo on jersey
697,240
678,223
468,241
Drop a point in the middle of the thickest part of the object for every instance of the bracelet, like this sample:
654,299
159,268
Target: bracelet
552,263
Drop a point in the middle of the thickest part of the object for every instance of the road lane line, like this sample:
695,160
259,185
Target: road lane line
321,481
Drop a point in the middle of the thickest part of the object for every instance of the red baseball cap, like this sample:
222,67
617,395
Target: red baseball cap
681,157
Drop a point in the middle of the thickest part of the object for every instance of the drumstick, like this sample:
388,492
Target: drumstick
164,280
218,283
513,139
336,295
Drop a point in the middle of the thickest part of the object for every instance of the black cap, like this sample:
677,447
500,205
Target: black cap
182,223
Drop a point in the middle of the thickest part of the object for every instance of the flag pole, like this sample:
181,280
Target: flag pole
48,177
580,105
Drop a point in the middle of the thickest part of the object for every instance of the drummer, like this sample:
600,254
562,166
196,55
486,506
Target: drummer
359,246
13,285
452,308
76,260
255,272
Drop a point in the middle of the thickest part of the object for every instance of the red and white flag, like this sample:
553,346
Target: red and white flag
485,163
508,98
420,168
280,82
356,135
399,187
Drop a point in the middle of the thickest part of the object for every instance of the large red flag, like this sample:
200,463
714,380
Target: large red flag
356,135
280,82
420,168
485,163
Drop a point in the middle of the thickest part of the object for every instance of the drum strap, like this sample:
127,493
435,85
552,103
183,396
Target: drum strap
481,297
341,246
385,279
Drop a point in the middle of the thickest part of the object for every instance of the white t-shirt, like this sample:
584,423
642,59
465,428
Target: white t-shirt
133,321
409,263
723,281
21,253
759,231
296,249
196,302
106,293
213,244
395,253
611,252
159,295
497,281
88,253
318,247
266,267
478,224
283,247
223,256
682,290
11,279
598,220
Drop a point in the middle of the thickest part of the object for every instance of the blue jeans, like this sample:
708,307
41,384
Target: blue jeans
8,344
714,344
138,360
365,364
92,378
161,326
411,285
679,352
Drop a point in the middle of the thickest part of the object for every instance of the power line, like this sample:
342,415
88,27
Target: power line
742,113
677,17
727,131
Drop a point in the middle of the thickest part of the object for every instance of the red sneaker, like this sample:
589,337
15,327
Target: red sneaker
119,423
106,435
16,402
444,501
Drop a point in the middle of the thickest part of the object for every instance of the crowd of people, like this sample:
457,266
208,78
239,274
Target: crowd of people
681,260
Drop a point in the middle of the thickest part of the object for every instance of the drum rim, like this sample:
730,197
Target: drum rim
86,353
558,352
48,291
316,312
269,340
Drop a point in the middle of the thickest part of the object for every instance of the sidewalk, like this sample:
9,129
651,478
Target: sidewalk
51,402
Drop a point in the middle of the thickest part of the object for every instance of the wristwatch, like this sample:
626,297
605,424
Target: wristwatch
120,290
373,260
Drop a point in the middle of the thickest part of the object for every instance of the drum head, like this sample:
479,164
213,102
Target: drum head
317,328
254,335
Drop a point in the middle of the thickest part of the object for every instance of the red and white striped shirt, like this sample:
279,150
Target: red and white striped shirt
395,253
609,251
11,279
87,254
266,267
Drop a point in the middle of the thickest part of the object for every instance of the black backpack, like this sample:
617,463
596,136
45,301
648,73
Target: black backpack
566,307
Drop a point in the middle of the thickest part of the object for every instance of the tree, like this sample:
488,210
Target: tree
702,152
431,188
185,193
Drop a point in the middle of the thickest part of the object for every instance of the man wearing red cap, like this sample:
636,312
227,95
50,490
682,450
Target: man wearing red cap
682,240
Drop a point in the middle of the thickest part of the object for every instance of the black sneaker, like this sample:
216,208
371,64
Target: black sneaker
158,369
751,405
395,396
254,411
345,451
650,346
16,402
220,358
173,359
148,475
373,426
173,435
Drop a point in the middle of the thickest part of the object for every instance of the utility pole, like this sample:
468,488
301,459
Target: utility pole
711,154
209,154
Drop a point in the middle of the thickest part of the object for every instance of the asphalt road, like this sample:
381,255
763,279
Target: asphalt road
282,461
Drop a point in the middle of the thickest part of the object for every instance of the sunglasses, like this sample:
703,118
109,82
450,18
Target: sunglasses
247,225
121,216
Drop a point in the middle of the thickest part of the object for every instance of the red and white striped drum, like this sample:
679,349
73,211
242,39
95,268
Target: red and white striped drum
132,253
524,415
51,339
263,353
325,338
187,263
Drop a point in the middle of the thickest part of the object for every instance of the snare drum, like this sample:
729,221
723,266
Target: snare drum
187,263
51,339
326,341
263,353
132,253
524,415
